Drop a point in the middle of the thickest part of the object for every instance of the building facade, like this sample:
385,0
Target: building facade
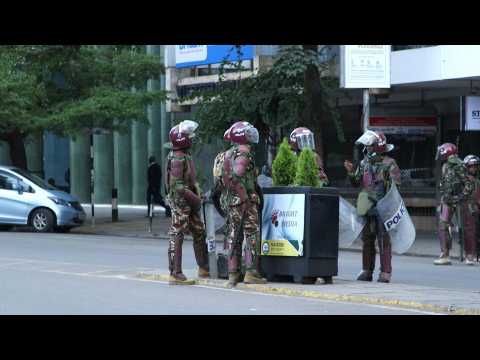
424,107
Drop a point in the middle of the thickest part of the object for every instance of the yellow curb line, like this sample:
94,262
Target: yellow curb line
325,296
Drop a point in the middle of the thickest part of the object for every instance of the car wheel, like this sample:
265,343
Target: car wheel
42,220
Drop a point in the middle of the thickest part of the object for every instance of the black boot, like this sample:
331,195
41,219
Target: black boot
365,275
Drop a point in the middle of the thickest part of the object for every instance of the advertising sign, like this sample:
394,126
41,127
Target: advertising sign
283,225
194,55
365,66
417,125
472,113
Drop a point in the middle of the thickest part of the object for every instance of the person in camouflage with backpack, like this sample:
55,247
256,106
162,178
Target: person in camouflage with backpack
455,188
375,175
470,209
185,199
239,178
219,193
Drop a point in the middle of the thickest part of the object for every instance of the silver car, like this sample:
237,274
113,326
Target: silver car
26,199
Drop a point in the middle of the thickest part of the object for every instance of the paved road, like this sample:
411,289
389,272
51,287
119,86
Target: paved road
73,274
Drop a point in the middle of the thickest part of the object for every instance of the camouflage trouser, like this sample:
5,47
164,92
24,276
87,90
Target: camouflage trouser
251,236
444,221
470,229
184,220
374,230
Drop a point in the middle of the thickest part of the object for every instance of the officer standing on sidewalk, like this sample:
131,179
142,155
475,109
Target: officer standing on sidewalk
240,181
455,188
185,199
375,175
471,209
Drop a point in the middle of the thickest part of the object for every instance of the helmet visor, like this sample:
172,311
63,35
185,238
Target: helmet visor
306,141
252,135
367,139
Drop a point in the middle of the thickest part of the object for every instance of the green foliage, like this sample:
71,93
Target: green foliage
271,100
284,165
67,88
307,172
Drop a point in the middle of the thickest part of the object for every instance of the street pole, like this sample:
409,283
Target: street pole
114,205
366,109
365,122
92,179
150,214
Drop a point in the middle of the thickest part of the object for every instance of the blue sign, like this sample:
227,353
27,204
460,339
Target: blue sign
194,55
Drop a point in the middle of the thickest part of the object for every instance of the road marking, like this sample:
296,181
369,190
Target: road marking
98,274
14,263
321,300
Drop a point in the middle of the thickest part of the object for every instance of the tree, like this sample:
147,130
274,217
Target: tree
21,100
293,92
284,165
66,89
307,171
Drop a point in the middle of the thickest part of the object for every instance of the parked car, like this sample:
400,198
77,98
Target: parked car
26,199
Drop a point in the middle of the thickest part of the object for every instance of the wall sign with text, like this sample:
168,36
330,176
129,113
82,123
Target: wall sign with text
365,66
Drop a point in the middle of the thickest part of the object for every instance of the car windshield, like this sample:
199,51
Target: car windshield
34,179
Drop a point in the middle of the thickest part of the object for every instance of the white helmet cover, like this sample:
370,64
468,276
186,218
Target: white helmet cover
188,127
471,160
371,138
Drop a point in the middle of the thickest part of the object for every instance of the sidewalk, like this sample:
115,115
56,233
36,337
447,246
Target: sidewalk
426,244
428,300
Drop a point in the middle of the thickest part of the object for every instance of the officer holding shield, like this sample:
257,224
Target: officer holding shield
375,176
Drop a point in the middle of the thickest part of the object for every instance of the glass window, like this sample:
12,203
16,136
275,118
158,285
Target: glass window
34,179
8,182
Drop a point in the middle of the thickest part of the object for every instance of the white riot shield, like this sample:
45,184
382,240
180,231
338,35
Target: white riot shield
350,224
396,220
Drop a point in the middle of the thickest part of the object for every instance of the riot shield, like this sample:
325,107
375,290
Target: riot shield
394,216
350,224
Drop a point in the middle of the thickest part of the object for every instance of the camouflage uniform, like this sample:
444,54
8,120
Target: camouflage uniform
470,217
455,187
242,216
375,176
220,194
185,218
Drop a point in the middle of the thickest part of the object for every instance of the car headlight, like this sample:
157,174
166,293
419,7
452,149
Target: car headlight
60,202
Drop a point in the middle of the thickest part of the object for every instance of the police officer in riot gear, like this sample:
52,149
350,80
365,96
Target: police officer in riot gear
374,175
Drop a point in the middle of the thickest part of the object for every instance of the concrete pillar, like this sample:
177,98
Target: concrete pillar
154,114
139,162
34,150
165,118
5,154
122,150
103,165
80,167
